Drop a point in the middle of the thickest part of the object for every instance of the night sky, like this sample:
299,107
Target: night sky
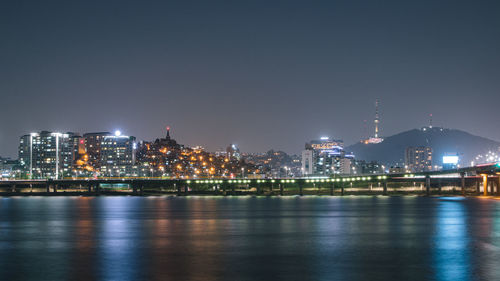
262,74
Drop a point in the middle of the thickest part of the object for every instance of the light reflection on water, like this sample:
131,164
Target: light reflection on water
451,249
249,238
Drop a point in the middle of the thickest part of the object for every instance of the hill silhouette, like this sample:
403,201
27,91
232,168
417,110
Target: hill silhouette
391,151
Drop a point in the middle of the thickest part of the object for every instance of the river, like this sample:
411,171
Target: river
249,238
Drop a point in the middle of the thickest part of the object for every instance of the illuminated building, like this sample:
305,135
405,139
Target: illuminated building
363,167
344,166
9,168
233,152
158,157
325,143
78,144
450,161
220,153
164,157
117,155
489,157
396,170
93,148
81,165
325,157
47,154
274,163
328,163
418,158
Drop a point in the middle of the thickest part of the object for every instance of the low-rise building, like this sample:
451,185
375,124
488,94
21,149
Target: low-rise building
9,168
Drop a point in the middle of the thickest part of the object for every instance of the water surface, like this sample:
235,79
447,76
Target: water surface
249,238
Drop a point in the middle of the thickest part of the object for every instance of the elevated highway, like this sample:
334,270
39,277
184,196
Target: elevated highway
477,180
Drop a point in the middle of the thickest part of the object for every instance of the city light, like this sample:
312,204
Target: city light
304,145
450,159
167,159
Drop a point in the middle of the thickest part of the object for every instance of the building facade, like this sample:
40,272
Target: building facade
92,143
233,152
307,162
47,154
418,158
325,157
345,165
367,167
117,155
9,168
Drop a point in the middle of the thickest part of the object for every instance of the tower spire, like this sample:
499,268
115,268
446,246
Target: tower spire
365,130
375,138
168,132
377,120
430,121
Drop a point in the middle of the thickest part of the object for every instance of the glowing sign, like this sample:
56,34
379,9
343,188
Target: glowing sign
450,159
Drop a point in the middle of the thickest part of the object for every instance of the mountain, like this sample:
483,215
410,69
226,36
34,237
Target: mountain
392,150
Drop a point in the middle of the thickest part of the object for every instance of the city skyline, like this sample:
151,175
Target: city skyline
254,74
249,140
221,147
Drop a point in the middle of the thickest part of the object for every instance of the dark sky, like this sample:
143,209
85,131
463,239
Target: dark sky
262,74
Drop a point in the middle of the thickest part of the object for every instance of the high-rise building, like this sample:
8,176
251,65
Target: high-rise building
117,155
325,157
418,158
47,154
325,143
328,163
81,166
93,148
78,144
345,165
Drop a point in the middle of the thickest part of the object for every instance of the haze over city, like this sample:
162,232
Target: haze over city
249,140
262,74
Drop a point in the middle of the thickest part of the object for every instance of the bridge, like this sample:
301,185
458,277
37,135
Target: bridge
477,180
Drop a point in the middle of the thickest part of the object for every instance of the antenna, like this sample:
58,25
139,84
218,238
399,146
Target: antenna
365,130
377,120
430,121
